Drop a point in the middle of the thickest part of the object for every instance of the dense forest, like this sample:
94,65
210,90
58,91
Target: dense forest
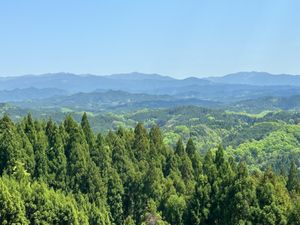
64,173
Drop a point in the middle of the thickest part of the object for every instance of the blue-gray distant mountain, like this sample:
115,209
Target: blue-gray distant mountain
258,78
133,82
140,76
29,94
230,88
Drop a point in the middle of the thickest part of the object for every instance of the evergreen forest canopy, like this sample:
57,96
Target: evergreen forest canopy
64,173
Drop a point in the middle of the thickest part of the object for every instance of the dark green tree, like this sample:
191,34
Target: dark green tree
293,182
77,156
41,162
199,205
141,143
195,157
241,198
57,162
115,194
10,146
179,150
87,130
273,200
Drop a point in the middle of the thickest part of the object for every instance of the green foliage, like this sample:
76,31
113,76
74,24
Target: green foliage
115,194
175,208
12,209
293,182
67,174
278,149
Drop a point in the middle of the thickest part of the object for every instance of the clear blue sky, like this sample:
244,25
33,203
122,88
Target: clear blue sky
172,37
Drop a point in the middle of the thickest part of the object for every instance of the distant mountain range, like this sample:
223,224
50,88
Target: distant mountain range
139,81
133,82
137,90
258,78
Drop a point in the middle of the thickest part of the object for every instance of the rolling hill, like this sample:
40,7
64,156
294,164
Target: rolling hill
268,103
258,78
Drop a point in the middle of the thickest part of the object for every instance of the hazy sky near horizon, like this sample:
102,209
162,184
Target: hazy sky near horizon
170,37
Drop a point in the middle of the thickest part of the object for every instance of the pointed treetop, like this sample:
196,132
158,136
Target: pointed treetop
87,130
84,120
140,130
242,170
29,119
180,148
190,147
69,123
220,156
6,122
156,136
85,124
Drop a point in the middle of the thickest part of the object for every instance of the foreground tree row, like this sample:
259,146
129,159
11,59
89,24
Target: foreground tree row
66,174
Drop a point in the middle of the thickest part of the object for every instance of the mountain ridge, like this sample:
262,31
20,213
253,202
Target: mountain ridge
258,78
231,87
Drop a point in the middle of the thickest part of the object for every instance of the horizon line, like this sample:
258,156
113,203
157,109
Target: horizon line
142,73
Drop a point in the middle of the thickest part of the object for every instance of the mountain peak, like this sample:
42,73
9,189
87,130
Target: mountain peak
258,78
139,76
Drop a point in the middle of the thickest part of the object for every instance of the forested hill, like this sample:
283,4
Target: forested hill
258,78
67,174
268,103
